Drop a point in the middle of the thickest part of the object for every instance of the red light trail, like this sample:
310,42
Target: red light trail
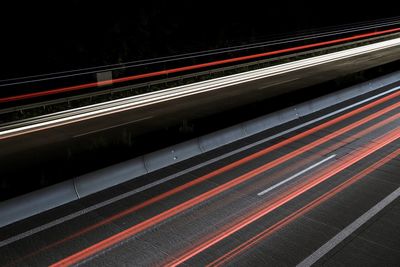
282,223
192,67
222,188
330,172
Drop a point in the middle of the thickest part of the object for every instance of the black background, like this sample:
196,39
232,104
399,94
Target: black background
62,35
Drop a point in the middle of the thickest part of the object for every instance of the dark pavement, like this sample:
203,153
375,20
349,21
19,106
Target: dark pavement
272,204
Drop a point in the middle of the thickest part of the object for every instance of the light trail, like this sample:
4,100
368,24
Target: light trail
192,67
302,211
130,193
344,29
218,190
335,169
149,99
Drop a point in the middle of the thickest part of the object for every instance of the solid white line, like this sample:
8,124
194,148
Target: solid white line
176,175
349,230
296,175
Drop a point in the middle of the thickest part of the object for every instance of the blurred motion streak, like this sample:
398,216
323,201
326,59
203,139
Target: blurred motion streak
295,166
282,223
239,180
192,67
280,201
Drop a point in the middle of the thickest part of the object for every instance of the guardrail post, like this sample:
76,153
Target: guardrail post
104,78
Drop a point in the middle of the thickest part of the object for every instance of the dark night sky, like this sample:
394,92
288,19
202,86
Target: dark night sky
38,38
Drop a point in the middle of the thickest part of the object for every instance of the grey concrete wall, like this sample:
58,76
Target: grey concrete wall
36,202
45,199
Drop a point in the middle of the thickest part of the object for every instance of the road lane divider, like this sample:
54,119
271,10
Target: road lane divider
349,230
269,189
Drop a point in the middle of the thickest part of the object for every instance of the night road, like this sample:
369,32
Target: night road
323,189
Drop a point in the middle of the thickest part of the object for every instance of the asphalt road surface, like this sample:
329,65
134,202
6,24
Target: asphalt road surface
326,193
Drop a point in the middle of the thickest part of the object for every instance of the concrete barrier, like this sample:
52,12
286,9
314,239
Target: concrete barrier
28,205
45,199
171,155
220,138
260,124
105,178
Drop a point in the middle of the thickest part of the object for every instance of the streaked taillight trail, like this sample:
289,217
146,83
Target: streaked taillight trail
318,201
148,223
192,67
319,178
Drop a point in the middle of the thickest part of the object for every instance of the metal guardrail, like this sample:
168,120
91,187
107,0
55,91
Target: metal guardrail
275,40
137,101
109,94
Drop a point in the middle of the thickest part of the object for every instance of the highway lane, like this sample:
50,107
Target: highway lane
317,180
76,132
